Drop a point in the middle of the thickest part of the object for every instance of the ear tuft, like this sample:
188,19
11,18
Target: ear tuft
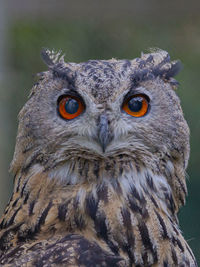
157,63
51,57
160,63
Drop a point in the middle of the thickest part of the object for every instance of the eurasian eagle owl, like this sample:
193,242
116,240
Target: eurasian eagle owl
99,167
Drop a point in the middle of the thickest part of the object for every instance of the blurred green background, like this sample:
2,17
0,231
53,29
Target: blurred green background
99,29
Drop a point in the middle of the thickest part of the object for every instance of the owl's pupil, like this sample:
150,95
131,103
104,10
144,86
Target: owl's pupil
71,106
135,104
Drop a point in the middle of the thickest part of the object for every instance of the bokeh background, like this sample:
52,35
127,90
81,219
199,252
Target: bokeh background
103,29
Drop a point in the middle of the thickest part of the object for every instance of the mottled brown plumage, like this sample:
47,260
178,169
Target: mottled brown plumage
104,188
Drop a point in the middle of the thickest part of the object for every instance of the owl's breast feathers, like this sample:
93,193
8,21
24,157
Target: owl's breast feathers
107,223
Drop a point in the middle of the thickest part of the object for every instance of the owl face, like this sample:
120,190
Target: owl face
100,110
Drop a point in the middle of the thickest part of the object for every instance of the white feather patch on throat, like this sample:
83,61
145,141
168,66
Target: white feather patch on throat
65,174
142,181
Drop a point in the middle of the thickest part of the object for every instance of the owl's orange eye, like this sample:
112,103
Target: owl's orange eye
70,107
136,106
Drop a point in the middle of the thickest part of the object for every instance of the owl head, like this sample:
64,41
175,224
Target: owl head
103,111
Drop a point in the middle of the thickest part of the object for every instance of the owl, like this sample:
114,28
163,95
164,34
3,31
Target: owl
99,167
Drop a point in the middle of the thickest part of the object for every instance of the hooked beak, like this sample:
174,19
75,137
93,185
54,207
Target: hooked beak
104,131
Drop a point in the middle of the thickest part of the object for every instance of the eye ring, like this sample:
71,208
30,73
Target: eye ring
136,105
70,107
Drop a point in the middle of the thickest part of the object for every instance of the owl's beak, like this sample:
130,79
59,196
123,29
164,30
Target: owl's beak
104,132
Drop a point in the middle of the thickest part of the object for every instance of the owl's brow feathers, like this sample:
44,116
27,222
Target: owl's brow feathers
146,69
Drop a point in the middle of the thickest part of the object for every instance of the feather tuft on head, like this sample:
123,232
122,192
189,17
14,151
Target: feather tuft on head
51,57
157,63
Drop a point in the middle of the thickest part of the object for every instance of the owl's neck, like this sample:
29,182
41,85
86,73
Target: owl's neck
127,179
115,207
164,180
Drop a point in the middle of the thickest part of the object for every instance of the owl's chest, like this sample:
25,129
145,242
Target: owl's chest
127,216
